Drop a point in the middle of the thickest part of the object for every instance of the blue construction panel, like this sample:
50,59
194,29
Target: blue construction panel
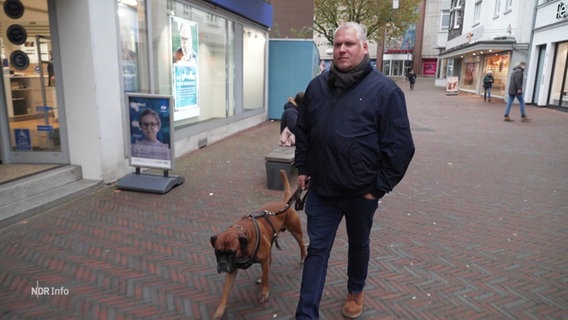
292,64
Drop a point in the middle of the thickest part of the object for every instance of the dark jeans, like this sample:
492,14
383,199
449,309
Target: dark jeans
324,216
487,93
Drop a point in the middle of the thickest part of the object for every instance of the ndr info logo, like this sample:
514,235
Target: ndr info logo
49,291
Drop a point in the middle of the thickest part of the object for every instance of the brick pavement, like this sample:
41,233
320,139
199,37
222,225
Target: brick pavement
478,229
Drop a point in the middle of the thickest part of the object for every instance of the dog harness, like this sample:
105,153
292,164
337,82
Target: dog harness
245,262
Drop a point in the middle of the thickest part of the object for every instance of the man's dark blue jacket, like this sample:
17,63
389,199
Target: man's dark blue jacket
356,142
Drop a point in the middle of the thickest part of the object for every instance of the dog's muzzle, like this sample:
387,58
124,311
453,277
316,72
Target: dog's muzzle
226,261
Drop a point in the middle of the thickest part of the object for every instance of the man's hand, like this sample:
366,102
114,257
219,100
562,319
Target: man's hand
303,181
369,196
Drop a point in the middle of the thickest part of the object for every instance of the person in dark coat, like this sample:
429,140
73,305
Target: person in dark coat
411,78
353,142
289,116
516,90
289,119
487,85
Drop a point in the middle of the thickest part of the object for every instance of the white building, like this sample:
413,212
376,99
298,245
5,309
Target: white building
547,72
486,35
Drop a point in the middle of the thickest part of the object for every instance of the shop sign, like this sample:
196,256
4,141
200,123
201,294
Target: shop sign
562,11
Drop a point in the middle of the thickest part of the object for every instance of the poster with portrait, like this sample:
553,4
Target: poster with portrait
129,39
151,130
185,70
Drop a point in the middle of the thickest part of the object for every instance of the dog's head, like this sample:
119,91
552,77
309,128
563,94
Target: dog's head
229,247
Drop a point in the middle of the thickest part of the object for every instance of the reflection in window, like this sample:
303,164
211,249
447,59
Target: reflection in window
254,49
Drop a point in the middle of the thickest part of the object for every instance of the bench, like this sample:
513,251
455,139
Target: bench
280,158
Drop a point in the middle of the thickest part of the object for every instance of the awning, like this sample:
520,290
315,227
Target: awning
480,48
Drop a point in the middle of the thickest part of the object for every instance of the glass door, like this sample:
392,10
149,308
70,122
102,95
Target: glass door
30,113
559,85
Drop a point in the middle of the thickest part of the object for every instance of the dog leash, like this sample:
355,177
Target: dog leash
296,197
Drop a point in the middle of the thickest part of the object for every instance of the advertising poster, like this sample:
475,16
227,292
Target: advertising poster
151,131
452,87
129,37
185,70
429,67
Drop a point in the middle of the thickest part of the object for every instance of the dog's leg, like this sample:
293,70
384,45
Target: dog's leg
294,226
229,281
265,288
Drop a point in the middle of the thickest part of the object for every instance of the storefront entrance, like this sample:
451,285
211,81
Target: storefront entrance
559,85
31,119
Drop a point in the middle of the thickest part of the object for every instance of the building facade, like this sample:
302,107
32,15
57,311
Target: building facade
547,72
68,67
482,36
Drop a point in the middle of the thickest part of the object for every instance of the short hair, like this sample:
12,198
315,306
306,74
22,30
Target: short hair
361,29
299,99
150,112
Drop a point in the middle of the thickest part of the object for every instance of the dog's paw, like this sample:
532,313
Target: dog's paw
263,297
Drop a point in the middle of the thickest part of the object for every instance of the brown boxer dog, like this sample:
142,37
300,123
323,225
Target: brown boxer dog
250,241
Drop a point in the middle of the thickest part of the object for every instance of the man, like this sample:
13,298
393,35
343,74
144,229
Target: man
516,90
354,143
186,45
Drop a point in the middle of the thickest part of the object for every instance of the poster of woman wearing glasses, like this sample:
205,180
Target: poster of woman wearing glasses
150,131
185,68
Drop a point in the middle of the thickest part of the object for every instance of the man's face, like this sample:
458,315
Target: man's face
348,50
185,37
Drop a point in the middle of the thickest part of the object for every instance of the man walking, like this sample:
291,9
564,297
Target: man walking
516,90
354,143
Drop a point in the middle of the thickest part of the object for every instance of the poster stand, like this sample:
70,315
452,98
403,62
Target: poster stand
152,183
151,144
452,86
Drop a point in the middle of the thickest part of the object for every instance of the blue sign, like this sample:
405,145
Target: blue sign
44,128
23,139
43,109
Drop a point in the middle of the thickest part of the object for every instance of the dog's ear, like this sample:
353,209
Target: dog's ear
244,242
213,239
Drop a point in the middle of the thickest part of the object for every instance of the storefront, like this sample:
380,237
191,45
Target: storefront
31,127
68,66
547,76
470,63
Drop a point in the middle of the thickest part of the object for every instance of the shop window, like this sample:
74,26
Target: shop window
470,74
559,84
198,57
254,48
30,77
499,66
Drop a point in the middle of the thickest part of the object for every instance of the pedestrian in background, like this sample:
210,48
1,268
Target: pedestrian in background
411,76
516,90
487,85
289,119
353,142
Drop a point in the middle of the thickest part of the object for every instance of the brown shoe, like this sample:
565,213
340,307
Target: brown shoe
508,119
353,306
525,118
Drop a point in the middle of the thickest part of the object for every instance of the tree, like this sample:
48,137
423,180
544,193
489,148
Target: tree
377,15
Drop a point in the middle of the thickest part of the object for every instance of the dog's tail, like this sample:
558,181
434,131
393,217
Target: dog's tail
286,184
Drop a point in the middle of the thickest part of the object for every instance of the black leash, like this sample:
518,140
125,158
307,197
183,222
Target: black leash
296,197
